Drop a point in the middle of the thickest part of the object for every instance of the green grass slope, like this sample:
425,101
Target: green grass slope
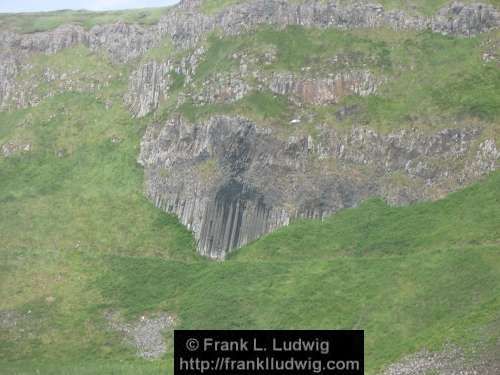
412,277
406,294
432,80
45,21
427,7
78,238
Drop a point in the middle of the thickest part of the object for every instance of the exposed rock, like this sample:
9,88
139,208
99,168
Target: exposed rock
324,90
491,51
222,88
346,111
40,85
465,19
149,84
124,42
186,25
8,72
229,180
145,334
45,42
9,319
450,361
108,104
258,182
486,159
12,148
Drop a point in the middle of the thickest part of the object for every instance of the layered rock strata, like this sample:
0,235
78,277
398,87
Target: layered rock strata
186,25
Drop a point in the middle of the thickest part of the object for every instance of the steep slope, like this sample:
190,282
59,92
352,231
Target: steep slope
303,108
233,190
310,110
359,269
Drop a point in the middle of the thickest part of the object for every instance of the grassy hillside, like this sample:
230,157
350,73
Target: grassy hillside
79,239
432,80
405,291
44,21
427,7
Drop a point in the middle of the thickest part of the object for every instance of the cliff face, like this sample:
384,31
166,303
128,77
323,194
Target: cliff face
186,25
325,90
231,182
231,179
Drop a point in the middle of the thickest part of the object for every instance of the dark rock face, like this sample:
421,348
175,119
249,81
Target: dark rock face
230,181
197,172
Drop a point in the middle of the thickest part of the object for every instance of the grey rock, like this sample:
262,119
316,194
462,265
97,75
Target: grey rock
187,26
222,88
123,42
465,19
230,181
324,90
450,361
147,86
145,334
9,319
13,148
150,82
8,72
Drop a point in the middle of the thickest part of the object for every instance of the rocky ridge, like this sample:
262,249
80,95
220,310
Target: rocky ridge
186,25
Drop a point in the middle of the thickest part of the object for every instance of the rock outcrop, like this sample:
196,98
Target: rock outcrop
465,19
145,334
186,25
122,41
147,86
324,90
222,88
8,72
230,181
450,361
150,82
